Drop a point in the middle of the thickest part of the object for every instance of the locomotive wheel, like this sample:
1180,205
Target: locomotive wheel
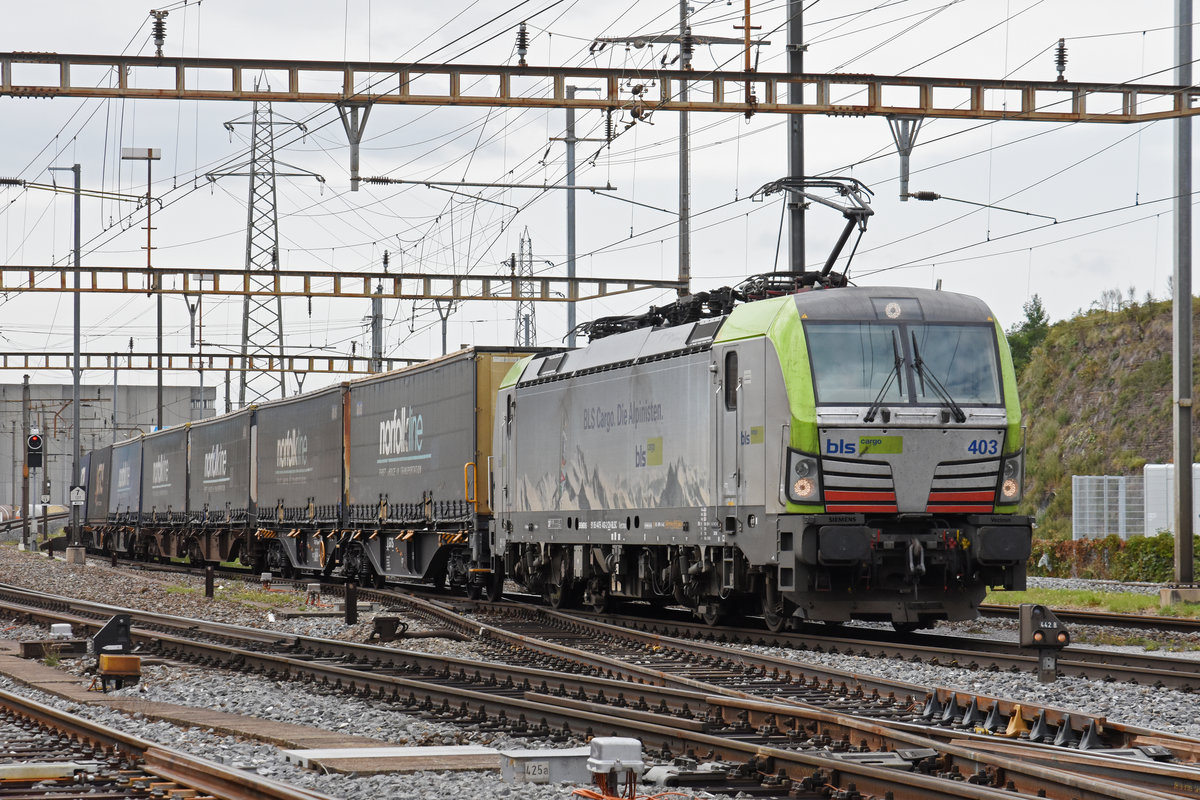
774,608
714,613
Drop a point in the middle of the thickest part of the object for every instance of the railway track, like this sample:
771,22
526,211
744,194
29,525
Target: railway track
47,752
878,742
1104,618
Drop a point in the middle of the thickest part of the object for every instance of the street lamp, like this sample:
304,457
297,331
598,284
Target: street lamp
150,155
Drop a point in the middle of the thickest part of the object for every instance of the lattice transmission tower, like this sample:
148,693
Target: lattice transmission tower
525,334
262,311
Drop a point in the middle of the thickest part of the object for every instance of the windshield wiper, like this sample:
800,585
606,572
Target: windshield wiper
893,375
923,372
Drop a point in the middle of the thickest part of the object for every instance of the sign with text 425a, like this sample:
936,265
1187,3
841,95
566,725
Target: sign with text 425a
537,771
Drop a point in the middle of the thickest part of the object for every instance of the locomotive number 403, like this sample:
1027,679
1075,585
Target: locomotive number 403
984,447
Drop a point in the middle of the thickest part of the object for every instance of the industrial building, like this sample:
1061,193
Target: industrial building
135,412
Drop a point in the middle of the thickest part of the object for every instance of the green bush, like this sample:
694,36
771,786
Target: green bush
1140,558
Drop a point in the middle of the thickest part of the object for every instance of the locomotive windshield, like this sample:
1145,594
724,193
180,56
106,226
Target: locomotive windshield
853,361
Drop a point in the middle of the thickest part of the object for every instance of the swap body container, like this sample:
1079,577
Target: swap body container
164,476
95,510
219,490
125,485
419,441
299,459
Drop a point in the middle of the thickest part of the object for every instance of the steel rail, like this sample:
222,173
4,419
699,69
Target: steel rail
172,765
562,712
1072,616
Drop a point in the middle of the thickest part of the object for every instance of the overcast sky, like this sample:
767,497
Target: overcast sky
1108,185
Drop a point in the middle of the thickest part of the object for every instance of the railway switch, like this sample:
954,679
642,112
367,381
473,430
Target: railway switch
1040,628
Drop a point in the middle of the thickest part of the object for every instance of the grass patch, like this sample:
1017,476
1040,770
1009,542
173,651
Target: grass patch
260,597
1114,602
50,656
178,589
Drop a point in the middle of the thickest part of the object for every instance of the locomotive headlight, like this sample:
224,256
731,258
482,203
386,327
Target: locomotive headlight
802,479
804,488
1012,474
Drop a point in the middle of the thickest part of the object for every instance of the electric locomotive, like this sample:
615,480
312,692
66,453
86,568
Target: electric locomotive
833,454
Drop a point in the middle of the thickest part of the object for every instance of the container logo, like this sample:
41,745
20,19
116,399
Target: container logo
123,475
160,472
402,435
291,450
215,461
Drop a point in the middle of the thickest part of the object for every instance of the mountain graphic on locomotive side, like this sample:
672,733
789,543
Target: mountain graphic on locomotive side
821,452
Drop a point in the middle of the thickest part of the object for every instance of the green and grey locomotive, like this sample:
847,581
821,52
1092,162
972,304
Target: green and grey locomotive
833,454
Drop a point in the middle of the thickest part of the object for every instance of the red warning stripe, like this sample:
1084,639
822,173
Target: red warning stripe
984,496
860,496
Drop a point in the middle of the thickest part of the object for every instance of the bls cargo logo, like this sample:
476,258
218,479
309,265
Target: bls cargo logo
292,450
215,461
865,445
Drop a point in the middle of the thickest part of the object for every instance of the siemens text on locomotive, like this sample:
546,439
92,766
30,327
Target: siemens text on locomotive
827,454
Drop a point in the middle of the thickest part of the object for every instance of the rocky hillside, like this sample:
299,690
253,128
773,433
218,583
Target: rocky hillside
1096,399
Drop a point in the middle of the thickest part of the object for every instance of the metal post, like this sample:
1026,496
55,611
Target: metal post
351,603
1182,305
150,155
570,140
75,539
158,291
24,465
685,171
16,448
795,62
208,582
377,330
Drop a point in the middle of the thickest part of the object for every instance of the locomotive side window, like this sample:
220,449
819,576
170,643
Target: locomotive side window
731,380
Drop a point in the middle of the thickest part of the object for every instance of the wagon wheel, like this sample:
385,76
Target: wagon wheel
596,597
563,595
493,586
714,613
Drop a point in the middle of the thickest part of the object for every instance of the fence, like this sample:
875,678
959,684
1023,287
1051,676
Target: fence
1102,505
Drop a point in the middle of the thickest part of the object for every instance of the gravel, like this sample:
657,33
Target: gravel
1142,706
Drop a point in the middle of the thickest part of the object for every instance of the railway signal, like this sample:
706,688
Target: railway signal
1040,628
33,450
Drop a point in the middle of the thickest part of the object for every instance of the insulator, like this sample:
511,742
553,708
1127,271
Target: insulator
1060,59
522,43
385,260
159,29
687,46
925,196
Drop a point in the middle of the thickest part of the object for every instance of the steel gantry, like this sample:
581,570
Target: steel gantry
311,283
637,91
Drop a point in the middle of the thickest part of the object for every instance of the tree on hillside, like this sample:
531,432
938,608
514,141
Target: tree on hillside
1029,333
